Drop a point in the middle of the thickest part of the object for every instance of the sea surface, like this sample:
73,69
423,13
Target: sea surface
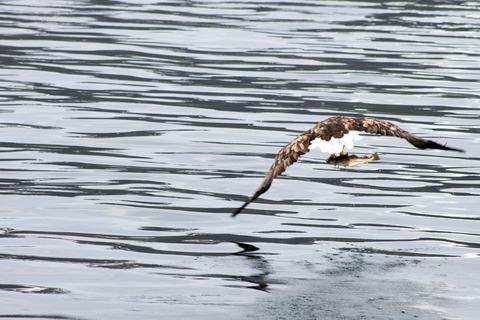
130,131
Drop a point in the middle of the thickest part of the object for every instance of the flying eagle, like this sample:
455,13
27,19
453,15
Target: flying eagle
332,135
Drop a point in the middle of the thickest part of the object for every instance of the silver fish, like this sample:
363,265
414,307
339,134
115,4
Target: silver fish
351,161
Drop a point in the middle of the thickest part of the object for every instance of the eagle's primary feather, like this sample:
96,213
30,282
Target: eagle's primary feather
336,128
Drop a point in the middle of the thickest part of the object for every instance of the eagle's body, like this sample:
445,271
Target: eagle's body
332,135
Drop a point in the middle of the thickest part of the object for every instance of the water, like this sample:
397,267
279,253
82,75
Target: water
131,130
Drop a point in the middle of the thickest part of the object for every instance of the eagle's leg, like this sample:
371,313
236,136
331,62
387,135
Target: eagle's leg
333,156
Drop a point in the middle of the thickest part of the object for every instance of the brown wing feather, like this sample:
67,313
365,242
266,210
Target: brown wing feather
385,128
287,156
335,127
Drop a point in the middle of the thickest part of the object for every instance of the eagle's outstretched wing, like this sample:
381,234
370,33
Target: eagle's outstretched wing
335,127
285,158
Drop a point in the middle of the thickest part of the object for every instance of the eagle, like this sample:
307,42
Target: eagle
332,135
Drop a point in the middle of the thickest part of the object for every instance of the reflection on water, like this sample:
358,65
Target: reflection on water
131,130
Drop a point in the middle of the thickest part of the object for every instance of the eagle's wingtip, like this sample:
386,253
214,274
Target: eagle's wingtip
234,214
454,149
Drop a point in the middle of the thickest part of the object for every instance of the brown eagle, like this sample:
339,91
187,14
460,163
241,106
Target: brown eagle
332,135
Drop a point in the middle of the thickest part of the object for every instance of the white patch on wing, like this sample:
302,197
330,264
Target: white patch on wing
335,145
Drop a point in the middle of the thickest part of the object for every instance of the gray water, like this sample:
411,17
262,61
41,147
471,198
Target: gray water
131,130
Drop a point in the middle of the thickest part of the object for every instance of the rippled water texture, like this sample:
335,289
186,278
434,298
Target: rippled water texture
131,130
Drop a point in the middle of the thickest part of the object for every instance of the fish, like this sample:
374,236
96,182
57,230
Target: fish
351,161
